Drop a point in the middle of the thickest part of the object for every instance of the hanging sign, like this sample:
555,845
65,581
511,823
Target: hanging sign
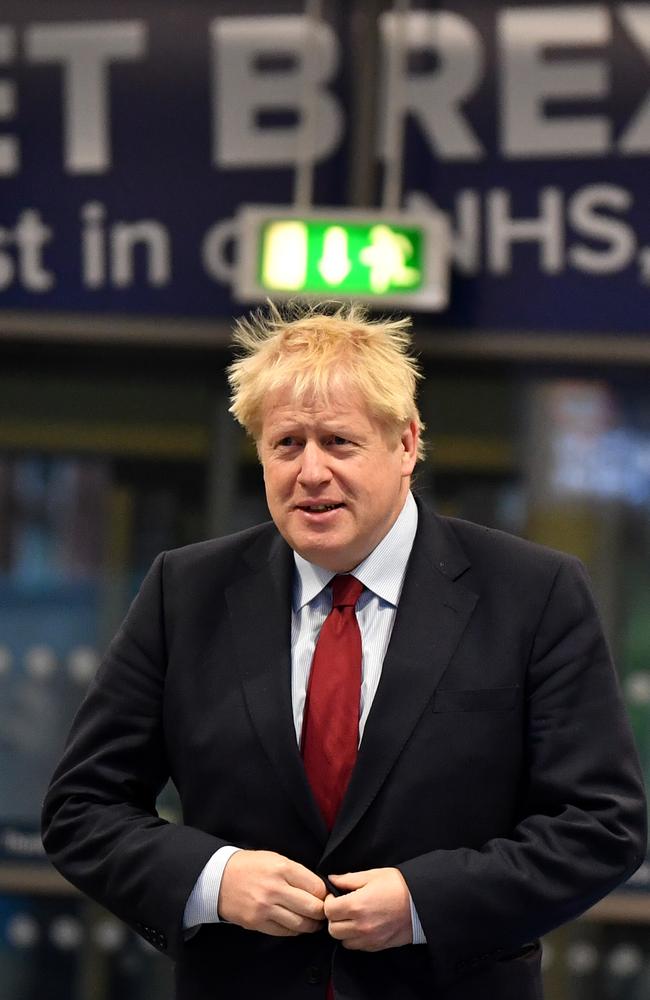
387,258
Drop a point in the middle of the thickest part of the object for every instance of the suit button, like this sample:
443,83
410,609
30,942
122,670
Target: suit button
314,975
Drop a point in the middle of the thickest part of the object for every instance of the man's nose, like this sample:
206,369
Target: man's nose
314,468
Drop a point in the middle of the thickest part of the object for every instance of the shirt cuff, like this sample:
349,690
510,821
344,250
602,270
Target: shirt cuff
202,902
419,937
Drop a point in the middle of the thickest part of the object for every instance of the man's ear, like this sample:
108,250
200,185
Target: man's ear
409,440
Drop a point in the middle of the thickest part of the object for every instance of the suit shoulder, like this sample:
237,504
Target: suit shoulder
493,545
224,551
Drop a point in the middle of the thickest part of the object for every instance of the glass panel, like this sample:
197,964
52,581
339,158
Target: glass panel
77,534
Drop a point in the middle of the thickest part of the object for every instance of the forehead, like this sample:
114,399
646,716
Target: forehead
340,406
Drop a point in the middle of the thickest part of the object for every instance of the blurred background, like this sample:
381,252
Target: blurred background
132,138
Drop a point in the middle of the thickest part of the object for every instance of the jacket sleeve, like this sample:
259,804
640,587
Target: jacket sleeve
581,828
100,825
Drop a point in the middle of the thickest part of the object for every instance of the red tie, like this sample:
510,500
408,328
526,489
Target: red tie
330,728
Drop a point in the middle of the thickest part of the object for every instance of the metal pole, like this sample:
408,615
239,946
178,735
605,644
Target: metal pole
362,117
304,179
394,162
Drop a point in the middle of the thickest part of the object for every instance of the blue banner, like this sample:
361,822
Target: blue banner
128,142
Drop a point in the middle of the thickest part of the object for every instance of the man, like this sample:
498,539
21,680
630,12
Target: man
397,738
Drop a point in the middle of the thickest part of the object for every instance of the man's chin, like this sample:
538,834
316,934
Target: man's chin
328,555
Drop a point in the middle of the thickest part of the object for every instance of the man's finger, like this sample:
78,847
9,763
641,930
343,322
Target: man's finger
342,907
276,929
302,878
351,880
302,903
359,944
293,922
341,929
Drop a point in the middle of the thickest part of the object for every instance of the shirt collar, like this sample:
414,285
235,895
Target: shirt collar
382,571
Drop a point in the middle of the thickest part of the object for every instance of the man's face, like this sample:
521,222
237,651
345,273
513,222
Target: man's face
335,479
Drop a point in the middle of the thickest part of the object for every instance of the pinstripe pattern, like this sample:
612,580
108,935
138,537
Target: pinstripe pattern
382,574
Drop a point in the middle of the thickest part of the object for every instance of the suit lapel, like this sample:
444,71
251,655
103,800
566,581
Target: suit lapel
259,603
433,612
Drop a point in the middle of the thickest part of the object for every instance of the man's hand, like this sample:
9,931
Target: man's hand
264,891
375,913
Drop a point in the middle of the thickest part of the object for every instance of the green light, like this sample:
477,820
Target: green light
392,258
329,256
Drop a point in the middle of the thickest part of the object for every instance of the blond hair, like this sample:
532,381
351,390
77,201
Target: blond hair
317,348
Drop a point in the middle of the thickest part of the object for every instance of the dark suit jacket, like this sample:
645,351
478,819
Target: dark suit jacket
496,769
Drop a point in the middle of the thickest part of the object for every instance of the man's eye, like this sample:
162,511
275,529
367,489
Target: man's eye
286,442
335,441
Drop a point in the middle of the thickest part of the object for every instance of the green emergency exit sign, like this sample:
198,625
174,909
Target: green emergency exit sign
303,255
342,254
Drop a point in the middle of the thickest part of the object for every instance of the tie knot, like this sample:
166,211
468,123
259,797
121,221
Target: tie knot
346,591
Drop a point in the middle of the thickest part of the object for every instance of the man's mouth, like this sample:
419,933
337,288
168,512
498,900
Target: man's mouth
318,508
